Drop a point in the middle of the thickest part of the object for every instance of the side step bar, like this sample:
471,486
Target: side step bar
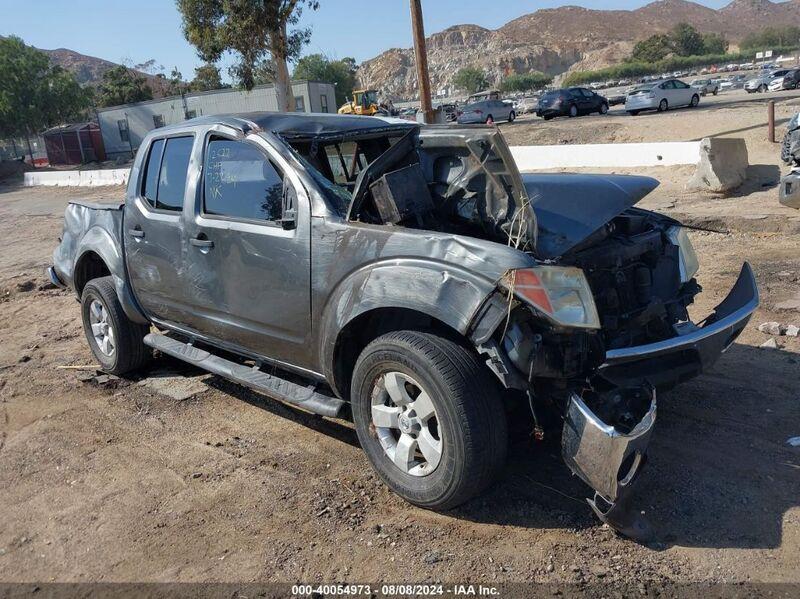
303,397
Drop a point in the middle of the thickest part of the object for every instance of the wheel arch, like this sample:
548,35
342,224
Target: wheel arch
368,326
99,255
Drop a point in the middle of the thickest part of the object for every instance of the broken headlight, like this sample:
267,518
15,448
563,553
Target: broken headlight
560,293
689,265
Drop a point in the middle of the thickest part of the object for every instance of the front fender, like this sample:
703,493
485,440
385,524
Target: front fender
441,290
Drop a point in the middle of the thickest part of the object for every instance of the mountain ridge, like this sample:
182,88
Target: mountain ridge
556,40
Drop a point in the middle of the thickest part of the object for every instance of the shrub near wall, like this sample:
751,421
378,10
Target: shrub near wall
628,70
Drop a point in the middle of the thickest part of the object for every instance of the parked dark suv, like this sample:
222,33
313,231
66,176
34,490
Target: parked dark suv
571,101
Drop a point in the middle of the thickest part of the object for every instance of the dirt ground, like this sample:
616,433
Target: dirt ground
180,476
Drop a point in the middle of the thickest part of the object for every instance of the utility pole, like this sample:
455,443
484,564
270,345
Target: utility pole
421,54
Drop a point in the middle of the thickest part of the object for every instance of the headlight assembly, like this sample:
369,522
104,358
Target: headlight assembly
689,264
562,294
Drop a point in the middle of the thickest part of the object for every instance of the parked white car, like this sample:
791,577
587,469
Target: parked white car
661,96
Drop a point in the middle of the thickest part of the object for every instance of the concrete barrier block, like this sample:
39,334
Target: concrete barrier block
722,166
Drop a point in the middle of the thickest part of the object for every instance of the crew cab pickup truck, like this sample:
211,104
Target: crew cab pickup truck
409,276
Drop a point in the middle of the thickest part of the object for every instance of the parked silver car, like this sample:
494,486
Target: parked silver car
706,86
788,81
487,111
760,83
661,96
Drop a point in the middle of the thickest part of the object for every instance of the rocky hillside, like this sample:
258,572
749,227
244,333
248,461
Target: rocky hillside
90,69
555,40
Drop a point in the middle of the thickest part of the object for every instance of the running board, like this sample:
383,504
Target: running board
303,397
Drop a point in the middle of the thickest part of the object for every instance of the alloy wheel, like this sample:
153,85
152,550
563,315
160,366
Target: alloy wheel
102,331
405,422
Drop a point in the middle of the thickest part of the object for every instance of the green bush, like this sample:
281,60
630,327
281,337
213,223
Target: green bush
630,70
525,82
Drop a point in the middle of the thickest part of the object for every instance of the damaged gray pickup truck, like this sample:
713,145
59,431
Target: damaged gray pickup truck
409,274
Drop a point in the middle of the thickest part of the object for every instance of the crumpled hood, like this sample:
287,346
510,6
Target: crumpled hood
570,207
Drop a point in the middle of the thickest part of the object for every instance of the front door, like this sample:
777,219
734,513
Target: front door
153,229
248,257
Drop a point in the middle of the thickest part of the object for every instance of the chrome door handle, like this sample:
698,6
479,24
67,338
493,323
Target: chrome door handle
201,243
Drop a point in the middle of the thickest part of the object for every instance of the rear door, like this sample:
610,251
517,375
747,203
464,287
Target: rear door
248,263
684,93
153,227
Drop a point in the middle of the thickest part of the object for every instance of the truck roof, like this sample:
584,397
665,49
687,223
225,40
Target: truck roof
303,124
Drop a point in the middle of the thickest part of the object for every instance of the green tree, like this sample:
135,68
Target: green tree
206,78
771,38
471,80
652,49
35,94
714,43
252,30
686,41
525,82
342,73
121,85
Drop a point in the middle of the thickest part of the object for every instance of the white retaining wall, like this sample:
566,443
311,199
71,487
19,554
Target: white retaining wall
534,158
94,178
528,158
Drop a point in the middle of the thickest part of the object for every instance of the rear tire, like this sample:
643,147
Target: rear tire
663,105
511,116
115,340
490,120
573,111
402,369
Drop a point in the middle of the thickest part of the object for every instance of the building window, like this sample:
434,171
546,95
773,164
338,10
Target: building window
190,114
123,130
299,104
323,100
158,120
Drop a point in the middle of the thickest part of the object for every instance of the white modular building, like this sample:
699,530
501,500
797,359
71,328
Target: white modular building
123,127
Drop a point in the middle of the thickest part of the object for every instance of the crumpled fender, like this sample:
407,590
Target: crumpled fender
442,290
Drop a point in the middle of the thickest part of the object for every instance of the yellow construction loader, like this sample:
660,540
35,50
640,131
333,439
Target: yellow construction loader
364,102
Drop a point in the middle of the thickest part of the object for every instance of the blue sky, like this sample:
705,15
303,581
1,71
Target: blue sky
138,30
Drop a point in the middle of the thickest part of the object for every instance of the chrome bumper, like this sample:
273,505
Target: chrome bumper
694,348
604,457
790,190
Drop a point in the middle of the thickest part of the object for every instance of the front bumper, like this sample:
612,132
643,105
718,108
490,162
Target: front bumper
54,278
605,458
693,349
608,457
790,190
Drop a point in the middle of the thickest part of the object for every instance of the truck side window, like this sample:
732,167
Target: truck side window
150,186
174,169
240,182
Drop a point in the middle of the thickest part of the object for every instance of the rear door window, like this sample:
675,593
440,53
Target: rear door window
165,172
150,185
239,182
174,170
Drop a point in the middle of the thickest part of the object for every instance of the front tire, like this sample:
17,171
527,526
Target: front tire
762,89
114,339
490,120
694,101
573,111
429,417
604,108
511,116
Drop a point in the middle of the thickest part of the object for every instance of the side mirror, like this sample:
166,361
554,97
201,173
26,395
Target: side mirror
289,207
